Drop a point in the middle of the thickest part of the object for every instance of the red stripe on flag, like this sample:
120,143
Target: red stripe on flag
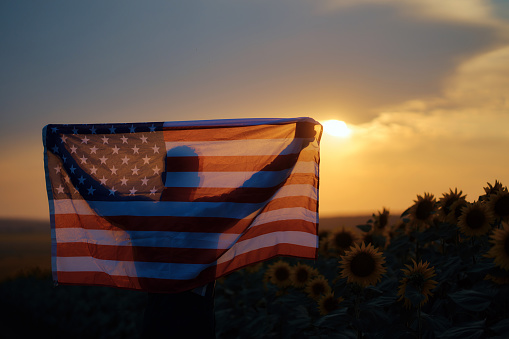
232,133
238,195
295,225
174,255
262,254
289,202
231,163
143,223
237,163
139,253
174,286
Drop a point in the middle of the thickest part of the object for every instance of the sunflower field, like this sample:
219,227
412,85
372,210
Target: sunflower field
440,271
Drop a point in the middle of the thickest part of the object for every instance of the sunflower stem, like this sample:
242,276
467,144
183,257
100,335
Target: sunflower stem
419,319
416,250
358,313
473,251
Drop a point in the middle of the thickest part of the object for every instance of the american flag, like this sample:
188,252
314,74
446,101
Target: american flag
170,206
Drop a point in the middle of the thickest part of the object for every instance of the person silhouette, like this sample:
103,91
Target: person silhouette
190,314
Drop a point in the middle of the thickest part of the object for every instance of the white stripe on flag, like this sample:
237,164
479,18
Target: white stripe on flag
181,271
294,213
297,191
269,240
147,238
247,147
237,179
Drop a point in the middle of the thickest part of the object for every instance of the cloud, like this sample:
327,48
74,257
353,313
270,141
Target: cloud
423,82
188,61
475,101
456,140
464,11
483,82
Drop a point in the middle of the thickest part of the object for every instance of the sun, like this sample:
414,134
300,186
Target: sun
336,128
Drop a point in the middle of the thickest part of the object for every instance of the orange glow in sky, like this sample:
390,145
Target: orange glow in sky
413,96
336,128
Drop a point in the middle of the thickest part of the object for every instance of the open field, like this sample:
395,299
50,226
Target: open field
429,275
26,244
24,251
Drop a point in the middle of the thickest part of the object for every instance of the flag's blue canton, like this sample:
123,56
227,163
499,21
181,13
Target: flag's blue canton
108,162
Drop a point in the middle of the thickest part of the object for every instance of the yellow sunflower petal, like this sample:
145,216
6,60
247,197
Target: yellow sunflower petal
500,249
362,265
475,219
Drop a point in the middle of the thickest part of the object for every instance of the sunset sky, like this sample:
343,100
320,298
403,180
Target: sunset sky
423,85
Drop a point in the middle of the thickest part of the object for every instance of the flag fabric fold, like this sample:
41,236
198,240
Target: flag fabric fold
170,206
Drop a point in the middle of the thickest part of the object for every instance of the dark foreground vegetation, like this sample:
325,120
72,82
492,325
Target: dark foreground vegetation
439,271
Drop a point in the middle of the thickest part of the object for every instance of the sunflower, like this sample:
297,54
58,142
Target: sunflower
317,287
419,277
323,234
381,220
342,238
302,274
378,240
447,201
323,247
367,238
362,265
455,210
497,187
498,204
399,227
279,273
423,210
500,249
328,303
475,219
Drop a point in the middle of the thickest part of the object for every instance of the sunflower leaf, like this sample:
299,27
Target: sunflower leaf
259,324
364,228
437,322
414,295
502,327
427,236
380,302
481,267
299,319
449,268
471,330
335,320
399,245
406,212
471,300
